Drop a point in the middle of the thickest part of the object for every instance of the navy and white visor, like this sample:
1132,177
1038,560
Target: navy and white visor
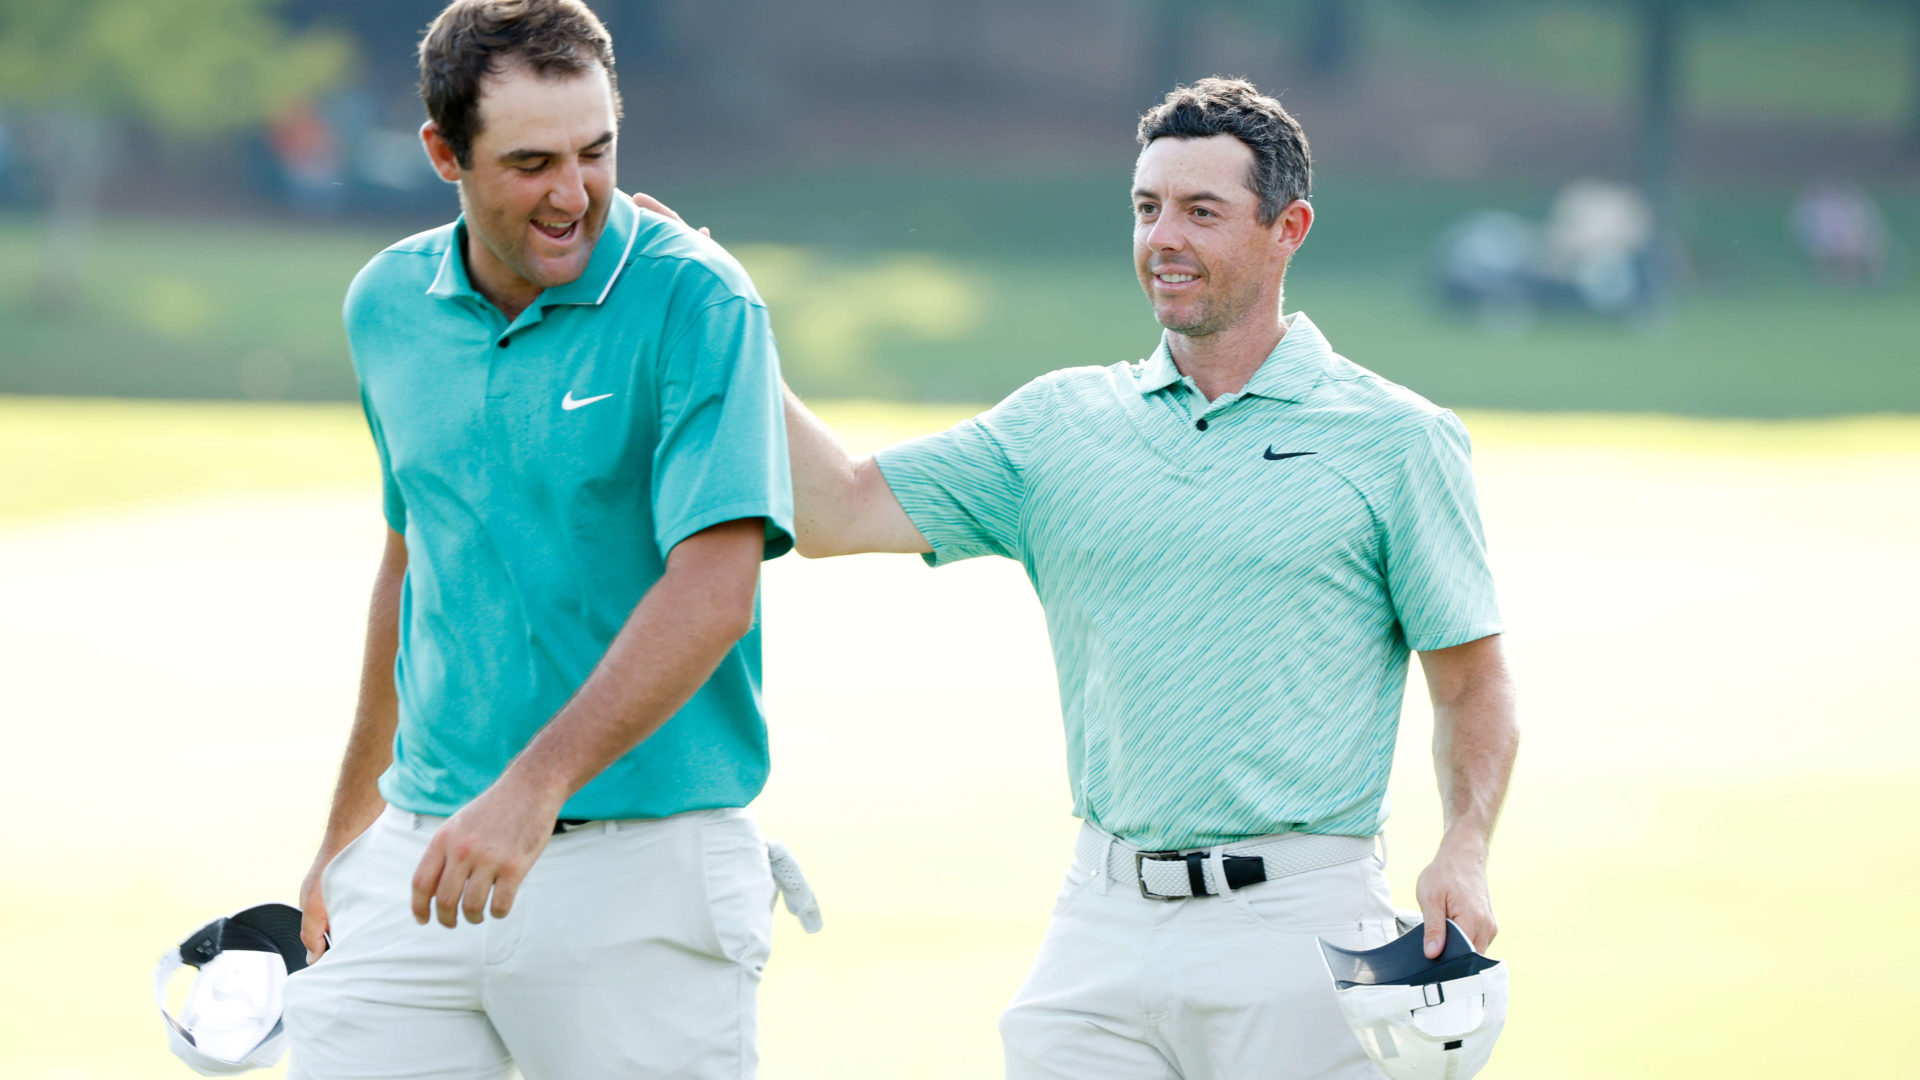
230,1022
1421,1018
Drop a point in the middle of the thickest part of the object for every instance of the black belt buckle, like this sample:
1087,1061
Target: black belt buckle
1242,870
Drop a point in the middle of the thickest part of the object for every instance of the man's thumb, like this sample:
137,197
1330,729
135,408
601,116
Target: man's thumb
313,934
1436,922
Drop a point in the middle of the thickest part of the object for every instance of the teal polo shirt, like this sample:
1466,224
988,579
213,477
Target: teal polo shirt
541,471
1231,587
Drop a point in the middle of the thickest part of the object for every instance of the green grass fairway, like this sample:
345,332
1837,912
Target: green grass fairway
923,282
1706,868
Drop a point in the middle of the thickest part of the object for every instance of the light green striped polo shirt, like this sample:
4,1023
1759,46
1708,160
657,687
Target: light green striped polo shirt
1231,587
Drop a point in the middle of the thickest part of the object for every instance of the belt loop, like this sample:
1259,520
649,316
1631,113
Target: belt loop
1106,862
611,827
413,820
1217,859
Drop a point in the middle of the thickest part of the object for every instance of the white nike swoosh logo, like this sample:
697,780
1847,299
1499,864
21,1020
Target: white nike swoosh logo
569,403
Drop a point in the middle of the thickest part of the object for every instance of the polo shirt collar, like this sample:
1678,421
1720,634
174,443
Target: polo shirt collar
452,280
1288,372
591,287
1159,372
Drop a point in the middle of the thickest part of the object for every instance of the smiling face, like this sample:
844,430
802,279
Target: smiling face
1201,253
539,183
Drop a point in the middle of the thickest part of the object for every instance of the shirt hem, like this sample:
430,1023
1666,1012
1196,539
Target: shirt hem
1459,635
775,546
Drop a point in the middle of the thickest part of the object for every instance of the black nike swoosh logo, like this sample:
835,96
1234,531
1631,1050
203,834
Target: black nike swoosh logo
1271,456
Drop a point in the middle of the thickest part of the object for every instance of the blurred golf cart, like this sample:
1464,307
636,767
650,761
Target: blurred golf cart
1591,255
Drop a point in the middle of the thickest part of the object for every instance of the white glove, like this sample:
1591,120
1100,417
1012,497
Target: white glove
793,885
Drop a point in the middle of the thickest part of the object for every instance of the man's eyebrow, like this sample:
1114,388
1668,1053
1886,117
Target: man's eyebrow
1194,197
527,154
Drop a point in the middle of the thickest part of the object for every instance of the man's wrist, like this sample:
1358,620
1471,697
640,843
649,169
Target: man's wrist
526,782
1464,840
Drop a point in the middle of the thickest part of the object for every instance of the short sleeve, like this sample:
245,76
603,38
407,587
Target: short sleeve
722,452
1436,552
964,488
391,504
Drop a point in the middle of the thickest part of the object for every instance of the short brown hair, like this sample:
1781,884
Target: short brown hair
1282,167
472,39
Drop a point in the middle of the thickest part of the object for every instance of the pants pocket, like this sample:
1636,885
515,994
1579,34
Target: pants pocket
739,888
338,881
1078,877
1348,898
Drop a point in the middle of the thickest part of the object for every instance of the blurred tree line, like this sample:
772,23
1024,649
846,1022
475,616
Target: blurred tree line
1328,37
188,69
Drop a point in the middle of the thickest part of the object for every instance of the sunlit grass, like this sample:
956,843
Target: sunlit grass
67,455
63,455
1704,869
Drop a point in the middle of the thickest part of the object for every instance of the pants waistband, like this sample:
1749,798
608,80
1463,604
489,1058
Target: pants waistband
1174,876
409,819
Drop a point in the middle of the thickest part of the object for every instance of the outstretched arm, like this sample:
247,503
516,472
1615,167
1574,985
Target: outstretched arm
1474,741
841,504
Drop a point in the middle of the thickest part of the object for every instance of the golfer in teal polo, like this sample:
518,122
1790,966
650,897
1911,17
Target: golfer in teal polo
576,406
1237,542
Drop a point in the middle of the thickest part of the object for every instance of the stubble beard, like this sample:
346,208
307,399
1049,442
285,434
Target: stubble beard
1211,315
505,239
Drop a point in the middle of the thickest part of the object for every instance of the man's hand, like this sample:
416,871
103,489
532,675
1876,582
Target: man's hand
1454,886
648,202
487,847
313,908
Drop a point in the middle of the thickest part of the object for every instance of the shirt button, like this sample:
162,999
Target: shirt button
1200,424
504,342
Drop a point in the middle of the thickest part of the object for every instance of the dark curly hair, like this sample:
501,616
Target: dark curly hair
472,39
1282,167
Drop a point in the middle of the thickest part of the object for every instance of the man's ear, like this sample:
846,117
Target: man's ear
440,152
1291,227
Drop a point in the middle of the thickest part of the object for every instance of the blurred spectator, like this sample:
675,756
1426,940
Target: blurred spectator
308,153
1838,225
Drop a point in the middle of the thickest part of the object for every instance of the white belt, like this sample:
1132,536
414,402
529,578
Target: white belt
1181,875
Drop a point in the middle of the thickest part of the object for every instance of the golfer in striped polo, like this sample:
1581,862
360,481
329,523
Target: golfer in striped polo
1237,541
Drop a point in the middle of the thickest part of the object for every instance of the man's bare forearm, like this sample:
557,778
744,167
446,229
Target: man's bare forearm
841,504
823,481
1475,739
356,794
669,647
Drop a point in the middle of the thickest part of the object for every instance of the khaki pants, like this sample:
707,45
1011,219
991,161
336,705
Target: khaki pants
634,949
1209,988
